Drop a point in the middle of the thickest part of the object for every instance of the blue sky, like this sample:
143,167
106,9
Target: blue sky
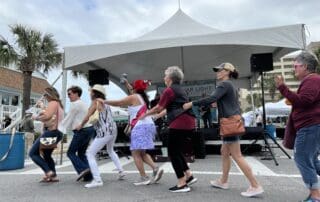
83,22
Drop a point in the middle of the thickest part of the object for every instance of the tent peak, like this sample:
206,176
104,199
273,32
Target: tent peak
179,25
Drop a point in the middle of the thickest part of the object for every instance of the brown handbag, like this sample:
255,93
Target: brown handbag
231,126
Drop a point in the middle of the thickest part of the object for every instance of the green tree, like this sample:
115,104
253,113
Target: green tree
270,85
31,51
256,99
317,53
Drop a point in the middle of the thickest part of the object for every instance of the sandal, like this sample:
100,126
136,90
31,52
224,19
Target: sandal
50,177
44,179
54,179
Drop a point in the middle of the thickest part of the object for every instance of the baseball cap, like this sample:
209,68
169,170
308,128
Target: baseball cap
226,66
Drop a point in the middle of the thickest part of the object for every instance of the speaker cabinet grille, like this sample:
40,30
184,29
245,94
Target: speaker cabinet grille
261,62
98,76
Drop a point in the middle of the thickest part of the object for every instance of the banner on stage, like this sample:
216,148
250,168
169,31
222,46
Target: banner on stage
195,91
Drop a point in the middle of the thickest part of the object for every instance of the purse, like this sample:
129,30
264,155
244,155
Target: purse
48,142
94,118
231,126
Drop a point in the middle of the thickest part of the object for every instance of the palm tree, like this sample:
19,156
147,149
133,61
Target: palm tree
317,53
31,51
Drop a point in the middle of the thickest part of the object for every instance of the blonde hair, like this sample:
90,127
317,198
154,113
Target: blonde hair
53,94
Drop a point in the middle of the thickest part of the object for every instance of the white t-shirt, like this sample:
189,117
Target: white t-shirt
78,110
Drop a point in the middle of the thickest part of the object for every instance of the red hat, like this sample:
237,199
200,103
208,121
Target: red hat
140,84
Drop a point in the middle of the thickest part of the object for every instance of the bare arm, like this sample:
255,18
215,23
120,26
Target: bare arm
155,110
129,87
127,101
47,114
161,114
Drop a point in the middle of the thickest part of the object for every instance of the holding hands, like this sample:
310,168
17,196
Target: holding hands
187,105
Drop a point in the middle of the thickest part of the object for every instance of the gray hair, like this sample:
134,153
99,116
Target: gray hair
175,74
307,58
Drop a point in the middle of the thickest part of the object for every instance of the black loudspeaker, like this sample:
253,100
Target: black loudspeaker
261,62
98,76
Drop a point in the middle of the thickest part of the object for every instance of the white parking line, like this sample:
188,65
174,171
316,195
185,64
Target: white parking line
39,171
167,167
108,167
258,168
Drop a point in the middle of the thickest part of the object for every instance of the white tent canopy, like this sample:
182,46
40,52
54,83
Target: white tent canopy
273,110
191,45
277,109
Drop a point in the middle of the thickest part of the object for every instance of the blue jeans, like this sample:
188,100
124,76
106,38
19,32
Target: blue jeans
306,151
46,163
78,146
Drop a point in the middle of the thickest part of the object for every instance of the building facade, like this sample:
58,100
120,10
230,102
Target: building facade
11,87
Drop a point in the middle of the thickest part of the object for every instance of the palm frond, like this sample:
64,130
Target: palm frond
8,54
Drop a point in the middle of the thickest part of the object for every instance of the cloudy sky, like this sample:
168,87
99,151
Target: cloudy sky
82,22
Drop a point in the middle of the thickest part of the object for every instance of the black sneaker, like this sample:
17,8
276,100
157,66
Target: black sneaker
191,180
83,173
181,189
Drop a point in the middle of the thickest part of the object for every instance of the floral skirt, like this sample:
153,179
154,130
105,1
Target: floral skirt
142,137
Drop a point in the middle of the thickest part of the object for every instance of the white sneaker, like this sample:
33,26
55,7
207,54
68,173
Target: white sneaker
142,181
218,184
252,192
93,184
121,175
157,174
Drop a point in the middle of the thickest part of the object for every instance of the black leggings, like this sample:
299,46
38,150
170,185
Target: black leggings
176,145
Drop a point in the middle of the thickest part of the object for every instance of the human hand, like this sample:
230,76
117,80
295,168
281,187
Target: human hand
100,101
278,79
78,127
187,105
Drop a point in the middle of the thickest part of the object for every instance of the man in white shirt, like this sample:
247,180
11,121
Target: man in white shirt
81,138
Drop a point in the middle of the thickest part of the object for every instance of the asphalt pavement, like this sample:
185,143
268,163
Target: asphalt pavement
281,183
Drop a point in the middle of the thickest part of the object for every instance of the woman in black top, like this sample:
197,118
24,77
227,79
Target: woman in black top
226,96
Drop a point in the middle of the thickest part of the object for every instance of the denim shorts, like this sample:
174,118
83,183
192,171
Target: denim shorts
230,140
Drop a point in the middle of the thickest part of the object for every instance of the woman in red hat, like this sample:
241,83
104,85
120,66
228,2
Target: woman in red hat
142,131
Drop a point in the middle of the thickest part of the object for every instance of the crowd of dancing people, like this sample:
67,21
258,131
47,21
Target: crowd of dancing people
89,137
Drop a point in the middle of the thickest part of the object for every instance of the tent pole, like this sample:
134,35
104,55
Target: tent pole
253,122
182,59
63,97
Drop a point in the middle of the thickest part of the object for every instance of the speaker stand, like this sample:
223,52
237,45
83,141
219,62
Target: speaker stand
266,135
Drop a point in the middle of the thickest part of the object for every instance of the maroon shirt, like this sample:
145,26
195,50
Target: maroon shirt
182,122
305,103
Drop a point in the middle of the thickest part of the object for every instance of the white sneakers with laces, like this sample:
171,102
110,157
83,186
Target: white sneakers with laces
121,175
93,184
